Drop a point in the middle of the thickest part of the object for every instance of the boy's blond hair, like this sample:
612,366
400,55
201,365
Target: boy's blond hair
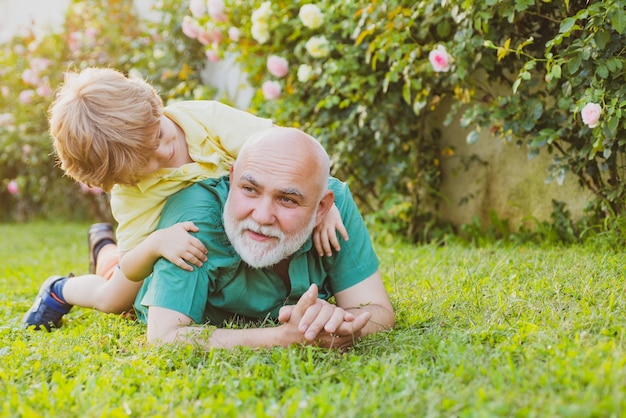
105,126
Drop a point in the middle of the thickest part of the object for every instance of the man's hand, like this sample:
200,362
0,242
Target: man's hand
180,247
322,323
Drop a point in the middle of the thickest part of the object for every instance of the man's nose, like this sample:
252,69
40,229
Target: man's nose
263,212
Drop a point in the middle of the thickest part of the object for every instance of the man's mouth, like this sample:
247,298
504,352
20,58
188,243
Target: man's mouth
257,236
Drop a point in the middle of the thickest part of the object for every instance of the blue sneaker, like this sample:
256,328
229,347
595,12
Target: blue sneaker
48,309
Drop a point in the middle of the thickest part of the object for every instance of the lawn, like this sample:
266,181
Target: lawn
492,331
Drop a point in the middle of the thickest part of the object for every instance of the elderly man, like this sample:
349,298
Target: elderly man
257,226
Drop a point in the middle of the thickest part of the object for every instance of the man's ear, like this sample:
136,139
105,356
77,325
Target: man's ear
324,206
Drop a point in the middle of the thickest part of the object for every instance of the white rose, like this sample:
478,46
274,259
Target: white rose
304,73
262,14
311,16
318,47
260,32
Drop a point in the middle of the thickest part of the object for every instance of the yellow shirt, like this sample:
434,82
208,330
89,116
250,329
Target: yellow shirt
214,133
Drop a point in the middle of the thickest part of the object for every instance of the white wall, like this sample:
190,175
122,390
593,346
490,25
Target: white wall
19,15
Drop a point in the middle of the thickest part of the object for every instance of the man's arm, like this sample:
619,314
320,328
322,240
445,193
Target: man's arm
361,310
369,296
169,326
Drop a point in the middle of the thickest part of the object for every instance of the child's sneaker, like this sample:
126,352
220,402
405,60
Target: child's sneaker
98,235
48,309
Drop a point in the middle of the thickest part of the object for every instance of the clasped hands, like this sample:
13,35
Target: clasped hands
318,322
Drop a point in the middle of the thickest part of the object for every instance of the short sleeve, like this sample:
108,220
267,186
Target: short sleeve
357,260
187,291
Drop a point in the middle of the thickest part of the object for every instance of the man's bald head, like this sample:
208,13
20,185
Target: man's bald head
292,146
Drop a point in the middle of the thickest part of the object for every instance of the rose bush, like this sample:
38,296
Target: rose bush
96,33
551,59
366,77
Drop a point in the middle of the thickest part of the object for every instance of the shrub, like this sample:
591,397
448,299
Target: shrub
369,78
365,77
561,65
96,33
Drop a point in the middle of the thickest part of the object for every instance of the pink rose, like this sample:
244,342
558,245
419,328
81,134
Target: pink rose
440,59
44,90
212,55
26,96
190,27
591,114
39,64
30,76
13,188
234,34
216,10
91,33
271,90
209,36
75,41
6,119
197,8
277,66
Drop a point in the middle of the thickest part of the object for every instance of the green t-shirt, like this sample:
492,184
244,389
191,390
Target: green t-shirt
225,286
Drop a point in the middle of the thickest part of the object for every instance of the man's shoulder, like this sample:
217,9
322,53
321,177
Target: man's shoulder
341,191
337,185
211,192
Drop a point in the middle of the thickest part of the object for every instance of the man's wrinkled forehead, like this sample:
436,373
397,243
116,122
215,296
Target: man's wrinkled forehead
286,189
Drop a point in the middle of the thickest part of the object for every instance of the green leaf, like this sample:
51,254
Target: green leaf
574,64
443,28
612,124
406,93
602,38
618,20
538,142
602,71
567,24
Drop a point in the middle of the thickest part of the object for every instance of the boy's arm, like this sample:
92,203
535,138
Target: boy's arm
325,234
175,243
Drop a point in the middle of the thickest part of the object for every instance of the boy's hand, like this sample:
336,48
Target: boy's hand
180,247
325,234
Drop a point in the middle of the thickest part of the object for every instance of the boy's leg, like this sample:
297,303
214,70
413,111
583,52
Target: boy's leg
107,261
109,291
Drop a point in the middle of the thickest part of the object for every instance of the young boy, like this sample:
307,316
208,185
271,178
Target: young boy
113,132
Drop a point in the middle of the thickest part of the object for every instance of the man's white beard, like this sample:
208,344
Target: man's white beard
262,254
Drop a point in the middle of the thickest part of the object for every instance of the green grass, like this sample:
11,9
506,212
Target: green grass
494,331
